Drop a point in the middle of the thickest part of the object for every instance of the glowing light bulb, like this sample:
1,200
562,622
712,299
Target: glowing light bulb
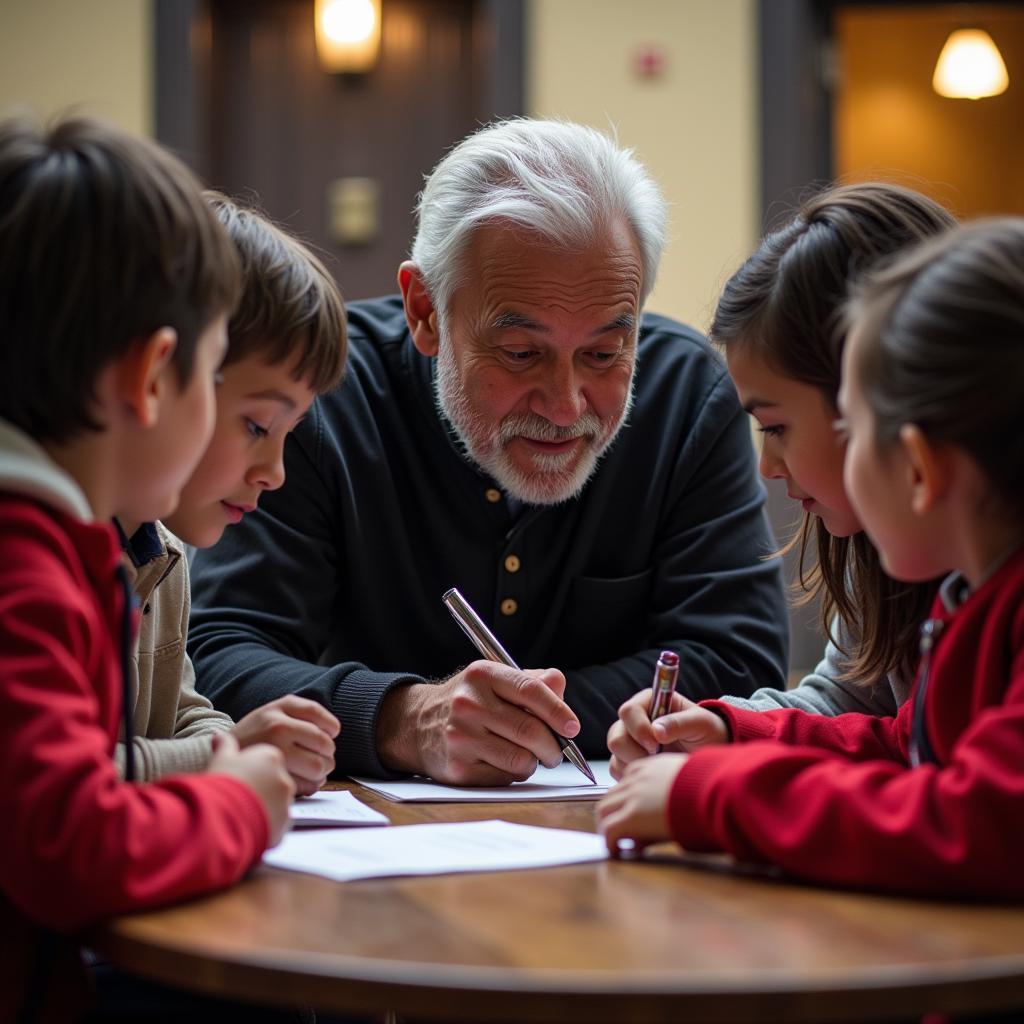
970,66
347,34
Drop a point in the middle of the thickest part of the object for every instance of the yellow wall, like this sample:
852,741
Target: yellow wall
91,55
695,127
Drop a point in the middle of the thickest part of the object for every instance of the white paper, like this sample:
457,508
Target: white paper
562,783
333,807
433,849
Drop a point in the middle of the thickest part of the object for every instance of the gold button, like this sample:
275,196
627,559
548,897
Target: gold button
509,607
512,563
492,494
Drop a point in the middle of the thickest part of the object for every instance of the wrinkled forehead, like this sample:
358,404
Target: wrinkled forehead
510,266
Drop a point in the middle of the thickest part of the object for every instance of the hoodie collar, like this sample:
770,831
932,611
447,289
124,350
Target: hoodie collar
26,468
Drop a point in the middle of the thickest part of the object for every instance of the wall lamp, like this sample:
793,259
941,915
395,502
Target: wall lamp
970,66
347,35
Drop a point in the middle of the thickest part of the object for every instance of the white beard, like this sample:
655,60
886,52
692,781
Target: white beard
553,478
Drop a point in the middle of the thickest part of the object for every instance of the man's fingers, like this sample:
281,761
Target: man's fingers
502,735
532,694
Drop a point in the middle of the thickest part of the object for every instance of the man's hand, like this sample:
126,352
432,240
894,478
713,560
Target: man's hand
261,767
637,808
487,725
302,730
686,727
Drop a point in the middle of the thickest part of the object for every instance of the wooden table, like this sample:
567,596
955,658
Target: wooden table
615,941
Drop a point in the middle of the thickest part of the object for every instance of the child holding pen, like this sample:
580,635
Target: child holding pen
777,322
925,802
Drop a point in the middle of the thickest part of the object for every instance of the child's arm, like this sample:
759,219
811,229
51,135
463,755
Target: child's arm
826,691
856,736
949,831
83,844
188,747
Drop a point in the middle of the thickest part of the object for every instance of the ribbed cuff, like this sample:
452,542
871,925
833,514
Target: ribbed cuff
356,701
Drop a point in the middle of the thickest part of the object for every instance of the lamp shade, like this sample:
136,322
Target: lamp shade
970,66
347,34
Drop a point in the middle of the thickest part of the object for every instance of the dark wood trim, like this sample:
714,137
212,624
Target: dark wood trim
796,128
177,79
503,89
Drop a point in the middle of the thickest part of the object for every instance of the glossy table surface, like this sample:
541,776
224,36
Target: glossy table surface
664,939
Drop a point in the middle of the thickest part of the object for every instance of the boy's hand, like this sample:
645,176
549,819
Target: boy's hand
686,727
261,767
302,730
637,808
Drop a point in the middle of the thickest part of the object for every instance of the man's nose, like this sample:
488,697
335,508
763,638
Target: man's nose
560,397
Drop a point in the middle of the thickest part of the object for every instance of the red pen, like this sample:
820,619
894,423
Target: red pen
666,672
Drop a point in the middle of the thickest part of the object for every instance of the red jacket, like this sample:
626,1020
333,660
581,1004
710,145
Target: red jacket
835,800
80,844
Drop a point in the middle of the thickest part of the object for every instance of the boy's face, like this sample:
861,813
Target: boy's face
168,451
258,405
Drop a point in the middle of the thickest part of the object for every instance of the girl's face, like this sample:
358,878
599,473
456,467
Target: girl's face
800,444
881,484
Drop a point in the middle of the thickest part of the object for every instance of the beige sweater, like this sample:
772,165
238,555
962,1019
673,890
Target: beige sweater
174,725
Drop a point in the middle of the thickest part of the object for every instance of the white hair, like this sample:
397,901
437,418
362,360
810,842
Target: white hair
565,182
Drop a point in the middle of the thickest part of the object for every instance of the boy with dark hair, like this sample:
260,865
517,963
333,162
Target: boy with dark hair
286,344
115,284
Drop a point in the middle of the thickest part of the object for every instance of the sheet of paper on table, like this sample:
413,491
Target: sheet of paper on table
450,847
562,783
333,807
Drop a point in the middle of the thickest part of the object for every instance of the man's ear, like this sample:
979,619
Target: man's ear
420,314
928,466
143,376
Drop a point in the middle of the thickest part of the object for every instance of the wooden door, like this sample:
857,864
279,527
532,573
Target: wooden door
241,96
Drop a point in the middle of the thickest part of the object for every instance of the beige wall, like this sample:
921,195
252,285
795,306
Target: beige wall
93,55
695,127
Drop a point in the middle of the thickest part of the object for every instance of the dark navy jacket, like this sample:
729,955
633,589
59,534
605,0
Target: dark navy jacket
333,588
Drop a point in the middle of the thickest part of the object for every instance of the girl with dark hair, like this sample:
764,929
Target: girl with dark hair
926,802
778,321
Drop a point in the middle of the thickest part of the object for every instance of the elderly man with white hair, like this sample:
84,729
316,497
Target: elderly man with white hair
515,426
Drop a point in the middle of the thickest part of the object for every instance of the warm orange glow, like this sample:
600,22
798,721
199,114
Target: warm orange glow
970,66
347,34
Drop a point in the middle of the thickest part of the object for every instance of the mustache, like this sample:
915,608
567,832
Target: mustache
536,428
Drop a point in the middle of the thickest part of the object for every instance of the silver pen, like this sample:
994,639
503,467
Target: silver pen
487,644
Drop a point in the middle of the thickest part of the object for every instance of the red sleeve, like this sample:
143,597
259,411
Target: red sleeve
856,736
82,844
949,831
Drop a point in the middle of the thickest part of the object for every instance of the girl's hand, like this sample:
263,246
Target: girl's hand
686,727
637,808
